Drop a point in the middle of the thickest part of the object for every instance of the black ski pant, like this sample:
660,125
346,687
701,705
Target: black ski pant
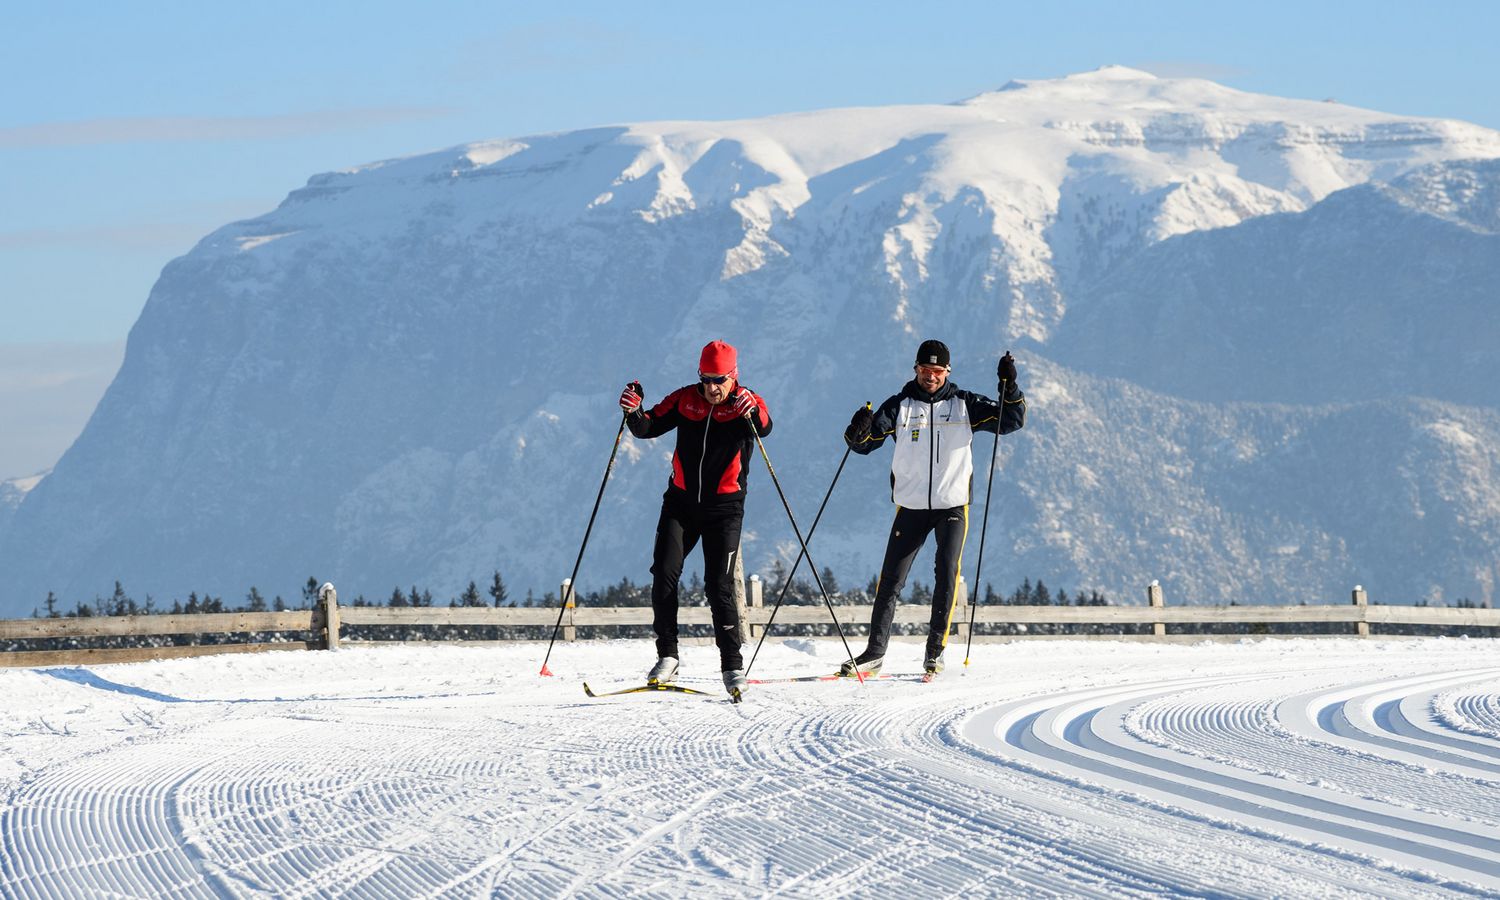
683,523
908,533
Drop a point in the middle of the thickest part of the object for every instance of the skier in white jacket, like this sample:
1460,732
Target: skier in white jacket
932,423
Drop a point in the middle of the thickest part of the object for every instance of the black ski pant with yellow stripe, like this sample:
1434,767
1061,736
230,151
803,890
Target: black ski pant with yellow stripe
908,533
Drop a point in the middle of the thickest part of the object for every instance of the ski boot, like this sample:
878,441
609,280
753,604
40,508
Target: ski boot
932,666
734,683
664,672
864,664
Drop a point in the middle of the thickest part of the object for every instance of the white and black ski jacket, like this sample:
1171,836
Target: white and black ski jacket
932,467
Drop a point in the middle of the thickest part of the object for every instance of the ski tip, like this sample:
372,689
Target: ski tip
546,672
588,690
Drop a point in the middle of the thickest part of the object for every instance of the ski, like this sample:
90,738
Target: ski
800,678
642,688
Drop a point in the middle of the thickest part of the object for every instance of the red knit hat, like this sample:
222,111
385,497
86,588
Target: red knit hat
719,358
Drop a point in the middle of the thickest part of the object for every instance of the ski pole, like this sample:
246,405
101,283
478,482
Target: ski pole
979,566
755,430
790,575
573,579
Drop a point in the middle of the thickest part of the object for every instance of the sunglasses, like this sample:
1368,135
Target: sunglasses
931,370
714,379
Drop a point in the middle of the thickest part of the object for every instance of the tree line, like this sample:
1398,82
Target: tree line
798,591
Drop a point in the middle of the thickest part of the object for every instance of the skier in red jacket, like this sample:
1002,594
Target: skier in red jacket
705,498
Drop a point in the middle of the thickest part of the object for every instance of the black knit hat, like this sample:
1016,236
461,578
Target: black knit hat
932,353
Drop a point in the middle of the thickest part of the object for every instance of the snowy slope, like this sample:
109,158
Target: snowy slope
406,372
1381,290
1326,768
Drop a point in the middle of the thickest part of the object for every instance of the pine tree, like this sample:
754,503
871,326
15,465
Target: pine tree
309,592
119,603
278,604
470,596
1040,596
498,593
254,602
51,605
830,584
397,598
778,574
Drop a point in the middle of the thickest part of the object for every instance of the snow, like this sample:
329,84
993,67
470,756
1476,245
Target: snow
1317,767
24,485
251,242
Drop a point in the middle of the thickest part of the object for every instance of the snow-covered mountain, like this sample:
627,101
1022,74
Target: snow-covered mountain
1380,290
12,492
406,372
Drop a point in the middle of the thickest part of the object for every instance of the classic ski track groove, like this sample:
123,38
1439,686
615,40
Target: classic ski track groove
1087,736
928,789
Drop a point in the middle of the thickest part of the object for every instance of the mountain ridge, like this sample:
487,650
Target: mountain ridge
406,371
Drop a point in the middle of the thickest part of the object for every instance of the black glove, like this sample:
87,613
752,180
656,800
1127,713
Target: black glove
859,426
1006,370
631,397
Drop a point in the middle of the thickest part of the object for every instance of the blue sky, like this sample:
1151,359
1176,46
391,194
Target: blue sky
128,131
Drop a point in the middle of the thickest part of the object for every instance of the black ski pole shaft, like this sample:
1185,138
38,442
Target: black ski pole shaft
790,575
755,430
573,579
985,527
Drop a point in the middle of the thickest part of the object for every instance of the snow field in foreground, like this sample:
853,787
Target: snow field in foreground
1330,767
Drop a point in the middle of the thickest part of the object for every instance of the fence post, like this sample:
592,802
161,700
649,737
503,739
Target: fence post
757,601
330,600
1361,628
1154,597
739,597
570,633
960,602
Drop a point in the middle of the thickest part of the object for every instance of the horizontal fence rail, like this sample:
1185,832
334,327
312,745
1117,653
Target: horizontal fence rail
323,625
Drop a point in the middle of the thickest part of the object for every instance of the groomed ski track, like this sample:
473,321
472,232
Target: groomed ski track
1327,768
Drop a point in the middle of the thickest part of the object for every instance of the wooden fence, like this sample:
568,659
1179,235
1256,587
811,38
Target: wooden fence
325,624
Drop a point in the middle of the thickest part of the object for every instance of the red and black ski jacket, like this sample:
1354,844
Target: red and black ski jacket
714,445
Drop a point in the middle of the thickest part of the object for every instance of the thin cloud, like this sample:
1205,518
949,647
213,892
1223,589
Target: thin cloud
142,129
151,237
1187,68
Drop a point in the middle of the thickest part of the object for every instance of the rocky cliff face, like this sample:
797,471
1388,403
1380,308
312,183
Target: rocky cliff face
406,373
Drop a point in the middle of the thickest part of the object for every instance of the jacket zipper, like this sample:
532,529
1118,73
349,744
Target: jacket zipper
931,448
706,422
